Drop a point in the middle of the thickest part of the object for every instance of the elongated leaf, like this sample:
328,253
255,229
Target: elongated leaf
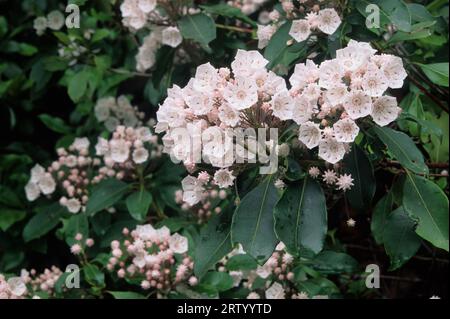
301,217
380,214
94,275
77,224
253,223
213,245
400,240
44,221
359,166
427,203
277,46
199,27
437,72
138,204
55,124
331,262
402,148
105,195
228,11
10,216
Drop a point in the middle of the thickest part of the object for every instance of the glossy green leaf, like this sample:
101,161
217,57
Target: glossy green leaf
359,166
402,148
379,216
105,195
138,204
400,240
214,243
428,204
301,217
199,27
253,222
43,222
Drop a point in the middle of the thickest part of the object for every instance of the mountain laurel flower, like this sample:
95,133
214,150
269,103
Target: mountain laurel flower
178,244
328,21
300,30
40,24
345,130
310,134
140,155
358,104
276,291
385,110
224,178
264,34
171,36
55,20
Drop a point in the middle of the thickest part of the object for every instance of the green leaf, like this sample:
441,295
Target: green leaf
105,195
331,263
126,295
44,221
359,166
253,223
428,204
9,217
213,244
94,276
226,10
380,214
219,281
199,27
402,148
277,45
301,217
437,72
55,124
77,86
138,204
400,240
241,262
77,224
3,26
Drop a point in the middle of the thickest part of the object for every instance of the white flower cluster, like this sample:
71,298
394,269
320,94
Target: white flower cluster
125,150
315,20
198,189
247,6
273,280
43,282
202,204
155,257
113,112
13,288
73,50
214,101
71,172
325,101
54,20
158,37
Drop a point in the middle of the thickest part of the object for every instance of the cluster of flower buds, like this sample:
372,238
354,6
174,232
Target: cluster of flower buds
201,205
127,149
307,18
54,21
203,190
72,172
113,112
154,257
43,282
343,182
13,288
247,7
80,244
159,16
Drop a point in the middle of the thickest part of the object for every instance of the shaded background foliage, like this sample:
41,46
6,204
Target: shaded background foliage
33,82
